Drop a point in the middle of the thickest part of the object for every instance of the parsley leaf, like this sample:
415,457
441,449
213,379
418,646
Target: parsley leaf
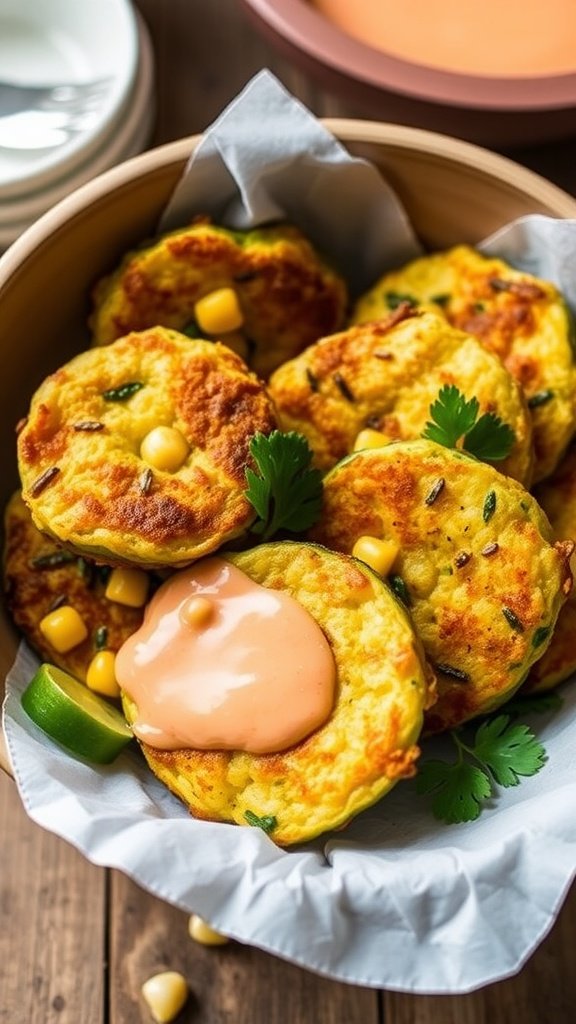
457,789
286,492
489,438
508,751
453,416
502,750
455,419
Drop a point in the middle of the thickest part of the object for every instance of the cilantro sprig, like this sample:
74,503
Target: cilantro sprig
502,752
286,491
455,419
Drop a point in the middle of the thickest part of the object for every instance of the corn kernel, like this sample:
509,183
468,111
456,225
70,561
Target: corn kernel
63,628
164,448
219,312
378,554
101,674
201,932
128,586
165,995
197,611
370,439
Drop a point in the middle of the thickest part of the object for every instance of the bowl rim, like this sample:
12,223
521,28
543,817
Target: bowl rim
309,31
346,130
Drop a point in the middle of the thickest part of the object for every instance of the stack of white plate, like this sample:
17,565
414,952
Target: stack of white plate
64,43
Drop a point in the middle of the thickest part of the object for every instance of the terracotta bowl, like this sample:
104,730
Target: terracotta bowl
453,192
484,109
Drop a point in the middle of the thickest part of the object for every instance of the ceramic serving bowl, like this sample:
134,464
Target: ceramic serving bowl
453,192
492,109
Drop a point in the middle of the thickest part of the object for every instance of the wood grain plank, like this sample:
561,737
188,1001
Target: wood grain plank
231,984
51,924
544,990
206,53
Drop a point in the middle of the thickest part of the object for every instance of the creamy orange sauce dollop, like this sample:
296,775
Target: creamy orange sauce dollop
482,37
221,663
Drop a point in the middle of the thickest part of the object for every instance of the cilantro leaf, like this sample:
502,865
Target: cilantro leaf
508,751
502,752
286,492
457,789
455,418
489,438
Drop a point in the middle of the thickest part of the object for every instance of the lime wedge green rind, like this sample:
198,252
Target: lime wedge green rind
75,717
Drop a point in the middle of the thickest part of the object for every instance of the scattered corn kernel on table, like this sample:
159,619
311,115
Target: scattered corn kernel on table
77,942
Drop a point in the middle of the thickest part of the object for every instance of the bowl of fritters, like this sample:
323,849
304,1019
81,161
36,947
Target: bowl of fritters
216,337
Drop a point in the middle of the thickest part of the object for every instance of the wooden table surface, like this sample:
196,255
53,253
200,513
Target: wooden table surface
76,941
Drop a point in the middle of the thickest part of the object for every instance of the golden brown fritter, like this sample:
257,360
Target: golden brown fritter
476,563
39,576
369,741
385,374
520,318
80,461
557,496
288,295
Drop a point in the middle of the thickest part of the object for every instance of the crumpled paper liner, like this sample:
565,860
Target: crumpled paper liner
396,900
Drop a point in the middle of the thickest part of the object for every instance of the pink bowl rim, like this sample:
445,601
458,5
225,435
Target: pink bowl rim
311,32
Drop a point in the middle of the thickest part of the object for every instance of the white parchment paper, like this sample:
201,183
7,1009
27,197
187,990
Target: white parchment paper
397,900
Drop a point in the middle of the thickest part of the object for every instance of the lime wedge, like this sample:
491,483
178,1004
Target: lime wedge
74,716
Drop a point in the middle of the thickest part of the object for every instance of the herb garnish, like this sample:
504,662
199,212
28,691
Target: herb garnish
540,398
400,589
540,635
502,752
489,506
85,570
53,560
123,392
395,299
191,330
456,419
101,638
267,822
286,492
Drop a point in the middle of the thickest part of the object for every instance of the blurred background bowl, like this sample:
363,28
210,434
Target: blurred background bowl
496,110
452,191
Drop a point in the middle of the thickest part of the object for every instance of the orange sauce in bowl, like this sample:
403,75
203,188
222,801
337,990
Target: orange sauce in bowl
503,38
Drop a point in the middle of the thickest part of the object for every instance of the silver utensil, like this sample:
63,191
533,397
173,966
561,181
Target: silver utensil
40,117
